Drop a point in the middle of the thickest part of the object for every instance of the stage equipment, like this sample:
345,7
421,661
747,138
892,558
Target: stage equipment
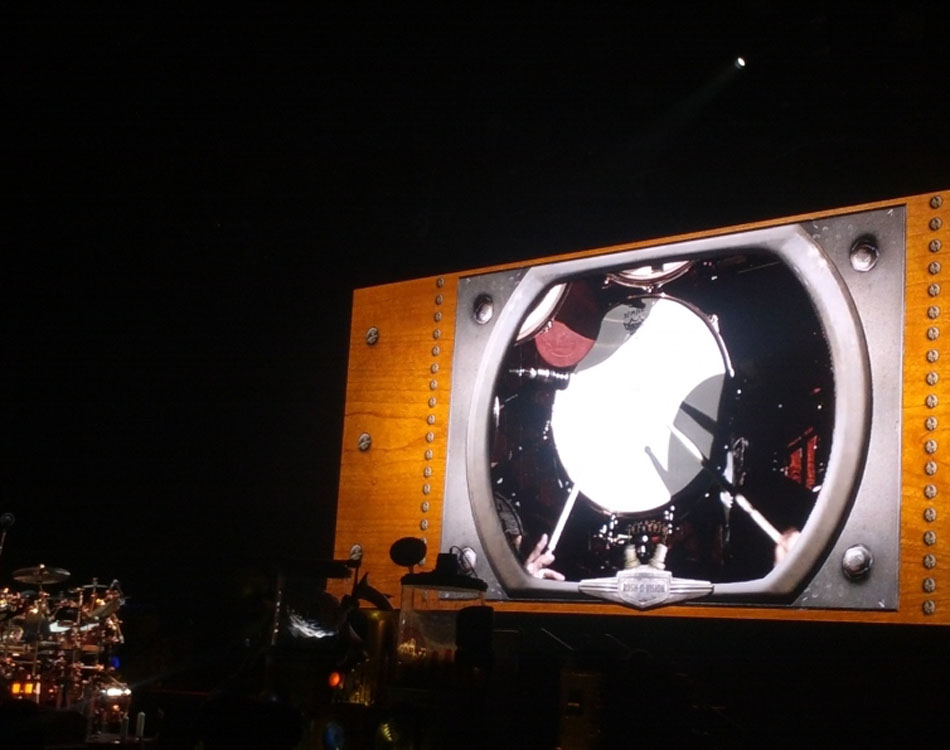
58,649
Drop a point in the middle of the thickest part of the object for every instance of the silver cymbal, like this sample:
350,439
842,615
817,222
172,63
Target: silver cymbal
41,575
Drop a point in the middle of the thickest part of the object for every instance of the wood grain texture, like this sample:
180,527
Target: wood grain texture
389,385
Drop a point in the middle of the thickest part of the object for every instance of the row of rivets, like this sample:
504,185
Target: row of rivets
929,583
432,401
365,441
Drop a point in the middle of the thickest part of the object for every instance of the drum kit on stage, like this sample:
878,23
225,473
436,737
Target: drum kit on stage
58,644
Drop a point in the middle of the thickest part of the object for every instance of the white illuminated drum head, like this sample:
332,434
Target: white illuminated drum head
641,410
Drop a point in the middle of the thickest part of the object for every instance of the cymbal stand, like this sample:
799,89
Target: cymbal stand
42,610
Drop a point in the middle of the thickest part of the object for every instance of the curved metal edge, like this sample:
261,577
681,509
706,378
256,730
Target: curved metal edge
846,340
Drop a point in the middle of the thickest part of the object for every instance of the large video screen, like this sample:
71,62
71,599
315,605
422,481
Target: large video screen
712,420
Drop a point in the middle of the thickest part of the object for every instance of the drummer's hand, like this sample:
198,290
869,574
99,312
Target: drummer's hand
539,560
787,542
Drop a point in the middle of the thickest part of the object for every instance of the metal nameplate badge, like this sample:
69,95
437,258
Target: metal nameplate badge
644,587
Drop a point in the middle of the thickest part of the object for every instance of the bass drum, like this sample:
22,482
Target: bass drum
641,421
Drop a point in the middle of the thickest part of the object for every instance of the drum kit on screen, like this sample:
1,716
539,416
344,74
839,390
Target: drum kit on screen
58,644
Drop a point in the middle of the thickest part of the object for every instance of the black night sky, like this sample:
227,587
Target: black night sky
192,198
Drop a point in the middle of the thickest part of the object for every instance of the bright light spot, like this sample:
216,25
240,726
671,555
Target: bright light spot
740,63
300,627
115,692
335,679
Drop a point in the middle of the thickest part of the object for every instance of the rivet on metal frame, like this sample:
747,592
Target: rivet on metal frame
933,312
931,401
930,606
933,290
372,335
930,446
930,423
930,514
930,561
932,355
932,378
930,491
934,268
864,254
935,246
935,223
365,442
856,562
930,538
936,201
929,585
483,309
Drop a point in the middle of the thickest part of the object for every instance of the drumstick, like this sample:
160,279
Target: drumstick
761,521
687,444
562,521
